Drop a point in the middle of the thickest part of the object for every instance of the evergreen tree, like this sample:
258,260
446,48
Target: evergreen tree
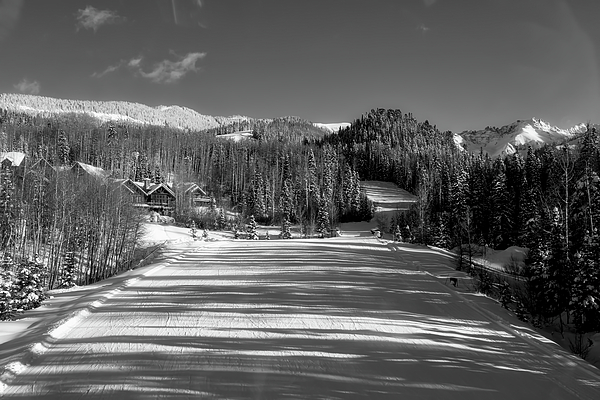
459,195
8,212
193,229
8,305
222,220
323,219
68,277
440,235
251,229
286,204
63,149
586,285
29,286
285,228
501,225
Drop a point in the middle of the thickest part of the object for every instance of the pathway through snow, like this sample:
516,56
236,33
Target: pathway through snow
337,318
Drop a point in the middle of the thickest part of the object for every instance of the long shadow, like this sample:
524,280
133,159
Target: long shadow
326,322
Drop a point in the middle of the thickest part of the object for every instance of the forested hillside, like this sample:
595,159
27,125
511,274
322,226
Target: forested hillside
547,200
133,113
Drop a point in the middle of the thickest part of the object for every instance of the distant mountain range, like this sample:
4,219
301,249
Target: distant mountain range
117,111
135,113
493,141
514,137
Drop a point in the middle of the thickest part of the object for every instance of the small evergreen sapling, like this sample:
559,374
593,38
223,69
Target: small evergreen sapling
251,229
29,288
285,228
8,306
193,229
68,278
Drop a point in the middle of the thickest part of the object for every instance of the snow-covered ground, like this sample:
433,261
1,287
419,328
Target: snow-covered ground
512,258
387,197
347,317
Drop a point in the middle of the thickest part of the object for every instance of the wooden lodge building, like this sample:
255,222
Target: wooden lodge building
160,197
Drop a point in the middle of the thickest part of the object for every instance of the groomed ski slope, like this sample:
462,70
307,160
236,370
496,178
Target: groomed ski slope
340,318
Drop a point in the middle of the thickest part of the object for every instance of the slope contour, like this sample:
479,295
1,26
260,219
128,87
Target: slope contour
339,318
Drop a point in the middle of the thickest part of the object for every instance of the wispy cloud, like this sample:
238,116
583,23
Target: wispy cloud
92,18
168,71
429,3
111,68
134,62
423,28
29,87
10,10
165,71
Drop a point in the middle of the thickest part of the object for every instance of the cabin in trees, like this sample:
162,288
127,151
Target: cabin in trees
14,161
190,195
152,196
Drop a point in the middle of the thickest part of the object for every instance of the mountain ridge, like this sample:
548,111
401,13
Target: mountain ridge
494,141
173,115
510,138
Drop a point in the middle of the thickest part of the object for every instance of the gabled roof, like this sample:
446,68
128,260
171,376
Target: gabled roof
156,186
191,187
15,157
133,187
42,163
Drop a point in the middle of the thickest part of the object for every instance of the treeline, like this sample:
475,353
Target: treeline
56,231
545,200
59,226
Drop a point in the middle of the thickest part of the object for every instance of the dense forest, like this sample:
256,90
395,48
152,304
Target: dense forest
547,199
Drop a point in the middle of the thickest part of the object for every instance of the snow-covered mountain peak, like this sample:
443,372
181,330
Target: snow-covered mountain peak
510,138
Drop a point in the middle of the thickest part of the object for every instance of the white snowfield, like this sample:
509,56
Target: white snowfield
341,318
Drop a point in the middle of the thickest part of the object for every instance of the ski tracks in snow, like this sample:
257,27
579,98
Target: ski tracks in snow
337,318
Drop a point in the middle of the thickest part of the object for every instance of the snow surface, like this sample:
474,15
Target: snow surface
512,257
346,317
236,136
506,140
332,127
387,197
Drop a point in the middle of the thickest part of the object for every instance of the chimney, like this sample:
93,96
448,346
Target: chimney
146,183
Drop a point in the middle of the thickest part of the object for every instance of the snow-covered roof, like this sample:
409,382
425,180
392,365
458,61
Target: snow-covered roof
15,157
156,186
95,172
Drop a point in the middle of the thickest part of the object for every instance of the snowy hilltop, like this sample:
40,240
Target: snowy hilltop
332,127
116,111
518,135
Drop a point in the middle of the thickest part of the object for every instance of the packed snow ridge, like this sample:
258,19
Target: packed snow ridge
510,138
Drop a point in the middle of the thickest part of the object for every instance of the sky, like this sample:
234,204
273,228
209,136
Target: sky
460,64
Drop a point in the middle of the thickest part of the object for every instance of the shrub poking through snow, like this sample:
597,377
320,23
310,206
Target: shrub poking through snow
193,229
8,306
